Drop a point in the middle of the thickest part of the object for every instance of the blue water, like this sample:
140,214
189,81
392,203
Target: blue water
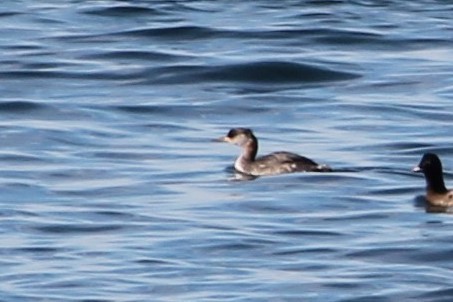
111,186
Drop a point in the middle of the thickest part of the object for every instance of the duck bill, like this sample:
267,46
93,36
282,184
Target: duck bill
417,169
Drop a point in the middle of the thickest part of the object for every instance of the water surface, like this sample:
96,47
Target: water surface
112,189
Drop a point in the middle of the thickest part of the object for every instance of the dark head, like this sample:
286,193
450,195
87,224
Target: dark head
239,136
431,166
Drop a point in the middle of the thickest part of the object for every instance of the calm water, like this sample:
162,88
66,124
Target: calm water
112,189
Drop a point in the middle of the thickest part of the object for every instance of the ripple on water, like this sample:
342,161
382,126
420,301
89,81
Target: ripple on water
132,55
77,228
21,106
438,295
177,32
122,11
270,72
111,189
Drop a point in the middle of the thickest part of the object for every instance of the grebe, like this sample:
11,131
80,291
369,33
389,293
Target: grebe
274,163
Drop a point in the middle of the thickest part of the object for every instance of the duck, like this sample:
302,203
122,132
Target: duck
272,164
437,194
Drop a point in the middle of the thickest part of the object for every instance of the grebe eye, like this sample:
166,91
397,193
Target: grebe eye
231,133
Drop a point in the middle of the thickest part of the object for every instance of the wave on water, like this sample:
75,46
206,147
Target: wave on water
110,179
134,55
68,228
20,106
255,72
121,11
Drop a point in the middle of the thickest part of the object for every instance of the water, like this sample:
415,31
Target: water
112,189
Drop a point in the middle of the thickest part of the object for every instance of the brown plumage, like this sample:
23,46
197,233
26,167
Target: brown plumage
274,163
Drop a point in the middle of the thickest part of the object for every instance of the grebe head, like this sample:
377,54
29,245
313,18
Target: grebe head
238,136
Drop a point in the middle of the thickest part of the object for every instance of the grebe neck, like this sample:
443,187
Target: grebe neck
250,149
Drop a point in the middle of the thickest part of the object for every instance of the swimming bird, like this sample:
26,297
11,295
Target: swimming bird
436,193
274,163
